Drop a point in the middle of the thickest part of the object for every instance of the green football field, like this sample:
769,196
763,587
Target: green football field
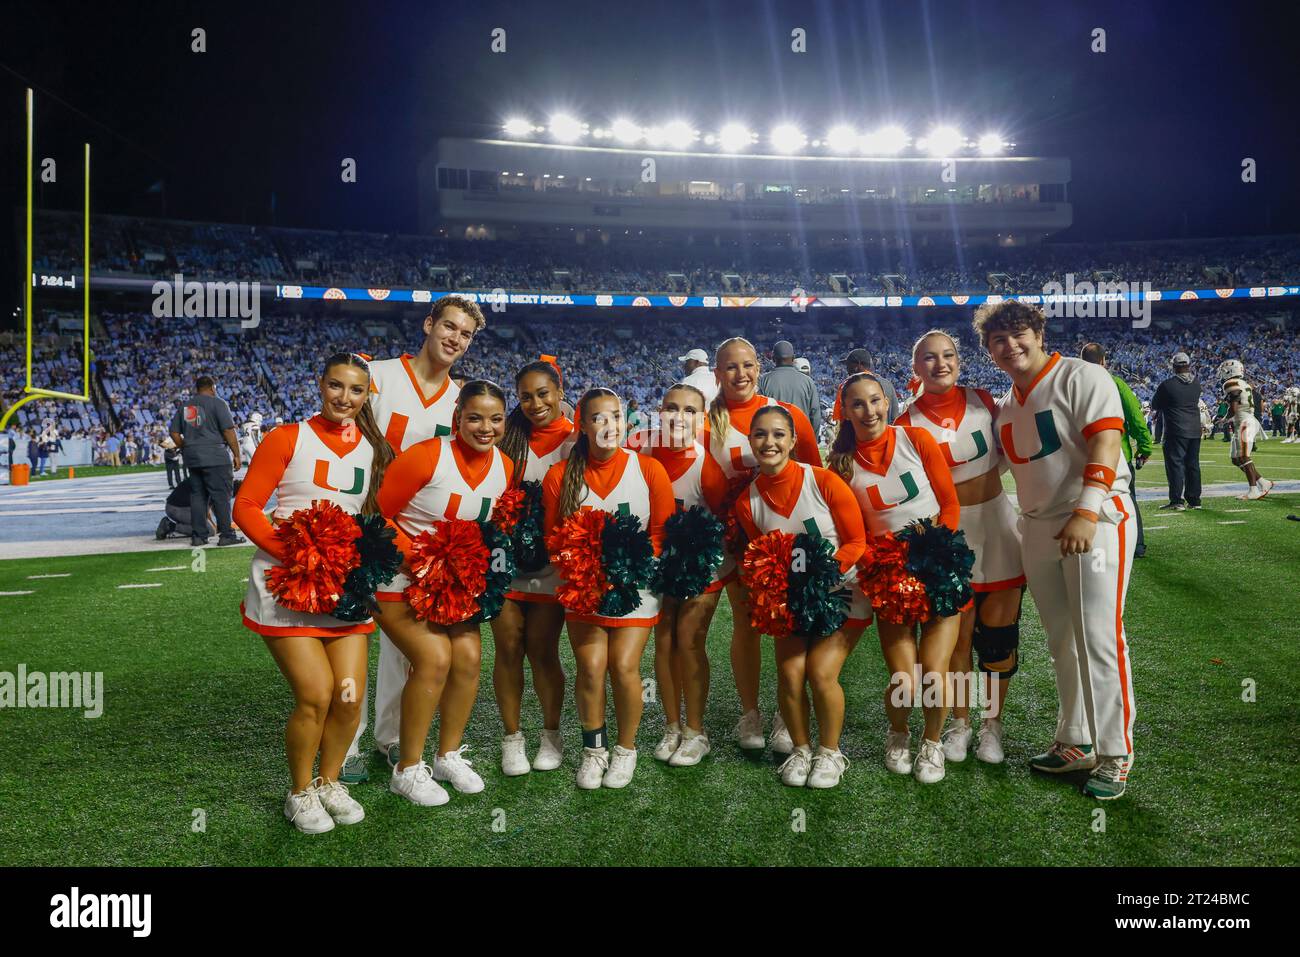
185,766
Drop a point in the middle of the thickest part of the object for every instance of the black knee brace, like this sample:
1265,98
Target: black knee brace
997,647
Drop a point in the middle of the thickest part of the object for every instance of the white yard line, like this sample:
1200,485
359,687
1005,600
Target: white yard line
1153,528
17,593
143,585
1240,521
56,575
168,568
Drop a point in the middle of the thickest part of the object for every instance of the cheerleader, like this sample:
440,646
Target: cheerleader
600,474
339,456
795,497
537,434
898,476
456,476
730,413
681,658
960,419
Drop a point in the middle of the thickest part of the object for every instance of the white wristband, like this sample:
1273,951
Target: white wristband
1091,499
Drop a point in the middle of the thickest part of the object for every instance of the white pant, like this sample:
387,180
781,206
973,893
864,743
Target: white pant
1245,432
391,679
1080,601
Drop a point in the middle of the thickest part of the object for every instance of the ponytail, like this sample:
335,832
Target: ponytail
573,487
840,457
514,443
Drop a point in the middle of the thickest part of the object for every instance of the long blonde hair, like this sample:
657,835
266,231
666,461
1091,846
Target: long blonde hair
719,416
917,386
840,458
573,488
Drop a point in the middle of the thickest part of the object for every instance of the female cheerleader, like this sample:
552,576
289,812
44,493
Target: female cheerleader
455,476
961,420
898,475
323,658
537,435
730,413
681,659
795,497
601,474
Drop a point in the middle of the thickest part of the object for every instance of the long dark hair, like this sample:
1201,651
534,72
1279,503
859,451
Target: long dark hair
381,453
519,428
840,457
573,489
472,389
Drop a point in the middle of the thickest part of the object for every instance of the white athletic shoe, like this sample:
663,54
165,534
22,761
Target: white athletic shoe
827,768
550,752
898,752
929,762
417,785
622,765
305,812
956,739
595,762
990,747
340,805
454,767
749,731
669,743
1259,491
514,755
781,742
794,771
692,751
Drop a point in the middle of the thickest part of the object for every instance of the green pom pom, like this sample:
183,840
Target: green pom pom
819,602
942,561
527,538
628,560
500,572
692,552
380,561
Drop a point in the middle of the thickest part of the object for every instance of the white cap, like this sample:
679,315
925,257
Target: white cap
699,355
803,365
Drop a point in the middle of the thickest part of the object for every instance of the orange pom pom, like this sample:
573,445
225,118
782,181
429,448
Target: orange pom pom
575,548
448,565
765,571
319,551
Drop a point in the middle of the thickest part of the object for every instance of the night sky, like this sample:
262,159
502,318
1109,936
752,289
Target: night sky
1156,127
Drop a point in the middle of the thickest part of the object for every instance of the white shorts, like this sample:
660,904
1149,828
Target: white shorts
266,616
537,587
1245,430
993,534
860,606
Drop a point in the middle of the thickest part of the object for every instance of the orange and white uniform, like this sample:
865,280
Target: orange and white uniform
961,423
734,453
901,477
628,483
697,479
1044,433
546,446
404,413
300,463
434,481
806,498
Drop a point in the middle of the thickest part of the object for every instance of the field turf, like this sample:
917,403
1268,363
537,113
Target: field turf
194,711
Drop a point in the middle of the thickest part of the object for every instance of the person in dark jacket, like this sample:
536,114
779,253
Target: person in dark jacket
204,430
1177,399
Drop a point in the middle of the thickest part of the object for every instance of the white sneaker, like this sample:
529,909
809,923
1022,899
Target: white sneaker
990,747
669,743
898,752
929,762
749,731
454,767
595,762
956,739
550,753
827,768
781,743
1259,491
340,805
622,765
417,785
794,771
692,751
514,755
305,812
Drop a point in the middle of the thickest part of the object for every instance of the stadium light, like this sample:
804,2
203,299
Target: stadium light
625,131
942,141
990,144
787,138
565,128
517,126
733,137
654,135
679,134
841,139
885,141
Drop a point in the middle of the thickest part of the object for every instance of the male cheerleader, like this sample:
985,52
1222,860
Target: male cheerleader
1060,426
413,398
1240,398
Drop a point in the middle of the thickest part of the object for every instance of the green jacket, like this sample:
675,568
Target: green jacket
1135,423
